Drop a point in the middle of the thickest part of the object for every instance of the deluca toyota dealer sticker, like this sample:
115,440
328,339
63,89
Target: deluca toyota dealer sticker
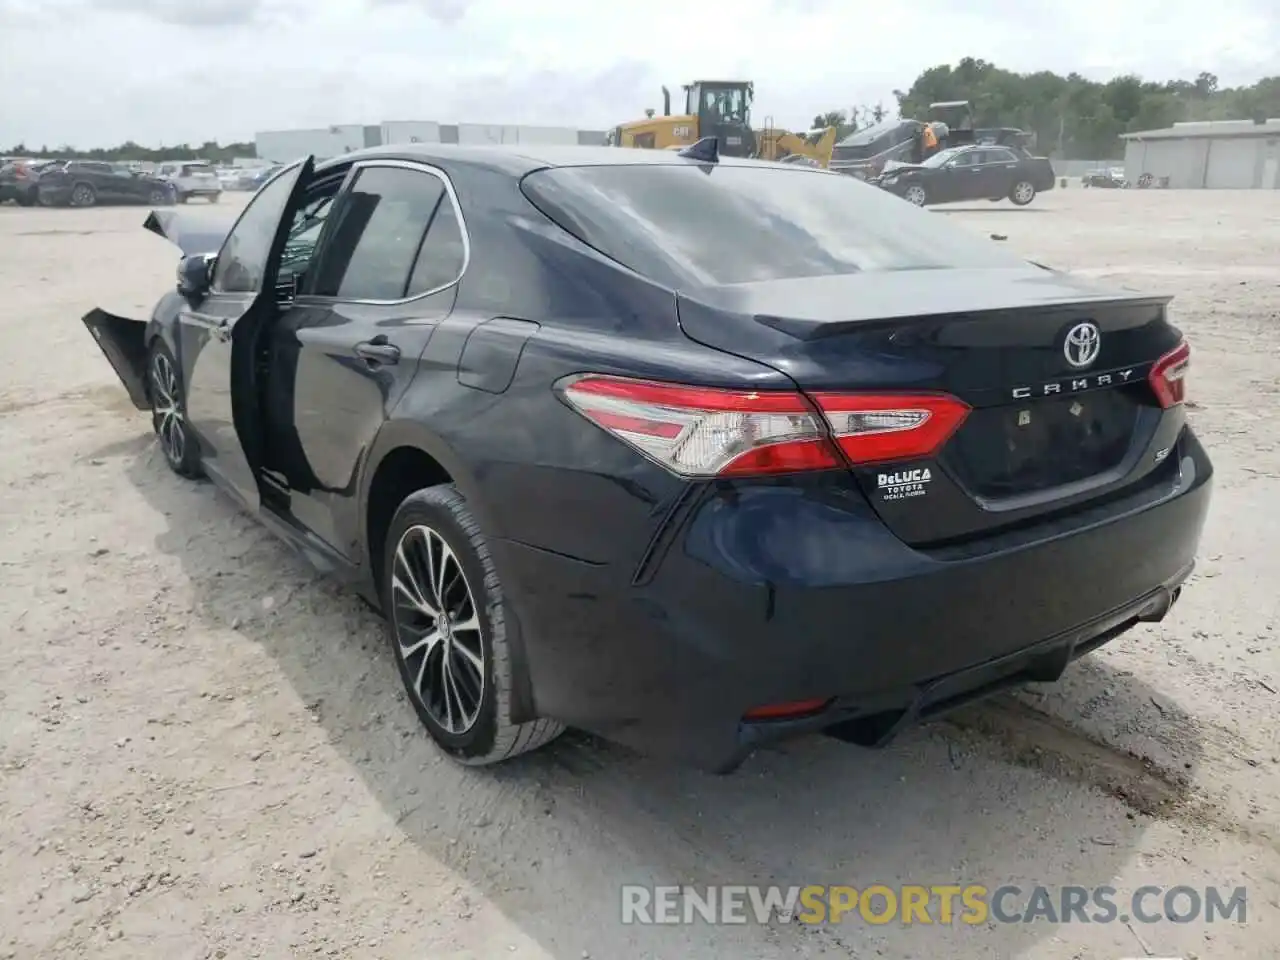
903,484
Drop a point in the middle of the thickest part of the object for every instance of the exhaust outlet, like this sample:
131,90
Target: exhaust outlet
1159,608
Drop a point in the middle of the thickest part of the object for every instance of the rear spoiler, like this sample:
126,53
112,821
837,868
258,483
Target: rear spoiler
191,233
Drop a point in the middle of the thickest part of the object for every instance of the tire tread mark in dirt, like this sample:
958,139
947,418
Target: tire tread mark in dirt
1039,741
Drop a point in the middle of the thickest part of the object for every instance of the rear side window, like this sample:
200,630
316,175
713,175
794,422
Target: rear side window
380,247
683,225
443,253
191,169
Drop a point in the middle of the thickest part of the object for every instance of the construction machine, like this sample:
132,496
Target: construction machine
812,149
712,108
956,119
722,109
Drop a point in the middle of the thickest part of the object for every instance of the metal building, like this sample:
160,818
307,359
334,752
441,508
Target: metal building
410,131
1222,154
283,146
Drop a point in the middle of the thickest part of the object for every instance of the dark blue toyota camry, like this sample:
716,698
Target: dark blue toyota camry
689,451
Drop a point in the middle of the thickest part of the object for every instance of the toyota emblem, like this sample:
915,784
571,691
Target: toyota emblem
1082,344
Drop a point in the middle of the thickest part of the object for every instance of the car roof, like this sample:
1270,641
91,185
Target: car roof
519,159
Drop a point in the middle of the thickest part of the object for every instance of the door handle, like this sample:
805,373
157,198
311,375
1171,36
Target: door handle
377,351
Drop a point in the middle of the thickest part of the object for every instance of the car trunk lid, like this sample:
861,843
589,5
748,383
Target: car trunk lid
1041,433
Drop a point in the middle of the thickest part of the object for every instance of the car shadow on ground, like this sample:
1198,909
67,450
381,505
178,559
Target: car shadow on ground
1001,793
990,208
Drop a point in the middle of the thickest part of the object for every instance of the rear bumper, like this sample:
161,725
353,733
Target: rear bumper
770,594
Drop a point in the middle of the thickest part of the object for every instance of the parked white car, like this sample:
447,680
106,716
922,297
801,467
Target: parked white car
192,180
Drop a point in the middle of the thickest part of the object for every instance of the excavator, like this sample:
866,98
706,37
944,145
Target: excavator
722,109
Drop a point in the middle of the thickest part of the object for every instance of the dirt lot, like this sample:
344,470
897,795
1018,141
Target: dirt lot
205,752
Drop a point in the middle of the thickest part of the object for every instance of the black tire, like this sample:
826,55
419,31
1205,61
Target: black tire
160,197
213,198
440,514
82,195
169,413
28,199
1022,193
916,195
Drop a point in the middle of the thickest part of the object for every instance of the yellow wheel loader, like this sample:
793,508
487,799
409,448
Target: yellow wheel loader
812,149
712,108
722,109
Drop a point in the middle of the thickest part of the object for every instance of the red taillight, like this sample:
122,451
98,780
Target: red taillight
1168,376
713,432
707,431
877,428
786,711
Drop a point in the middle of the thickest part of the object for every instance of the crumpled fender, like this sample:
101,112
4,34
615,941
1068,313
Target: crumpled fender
123,342
190,231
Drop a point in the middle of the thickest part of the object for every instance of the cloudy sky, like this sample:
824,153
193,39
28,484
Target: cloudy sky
96,72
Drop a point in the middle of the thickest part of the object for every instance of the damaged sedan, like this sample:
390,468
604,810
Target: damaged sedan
689,451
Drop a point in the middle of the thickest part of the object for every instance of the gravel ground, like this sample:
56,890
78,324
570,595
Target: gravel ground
205,752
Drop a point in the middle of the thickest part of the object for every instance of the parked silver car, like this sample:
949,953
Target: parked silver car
193,179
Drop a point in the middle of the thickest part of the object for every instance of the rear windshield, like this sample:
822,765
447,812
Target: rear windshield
683,224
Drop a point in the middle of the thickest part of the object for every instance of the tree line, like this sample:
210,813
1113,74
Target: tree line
1072,117
210,150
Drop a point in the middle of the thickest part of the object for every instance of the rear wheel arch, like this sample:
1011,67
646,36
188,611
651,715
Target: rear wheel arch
406,457
402,471
413,445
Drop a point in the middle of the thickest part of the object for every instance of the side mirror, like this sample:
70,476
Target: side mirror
195,276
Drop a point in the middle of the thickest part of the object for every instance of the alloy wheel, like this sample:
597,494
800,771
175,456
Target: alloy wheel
82,196
915,195
1023,192
437,629
166,409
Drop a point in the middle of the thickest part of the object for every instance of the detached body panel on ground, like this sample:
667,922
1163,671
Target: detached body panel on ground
608,455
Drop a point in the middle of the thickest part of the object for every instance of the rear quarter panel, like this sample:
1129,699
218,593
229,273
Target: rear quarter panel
541,473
